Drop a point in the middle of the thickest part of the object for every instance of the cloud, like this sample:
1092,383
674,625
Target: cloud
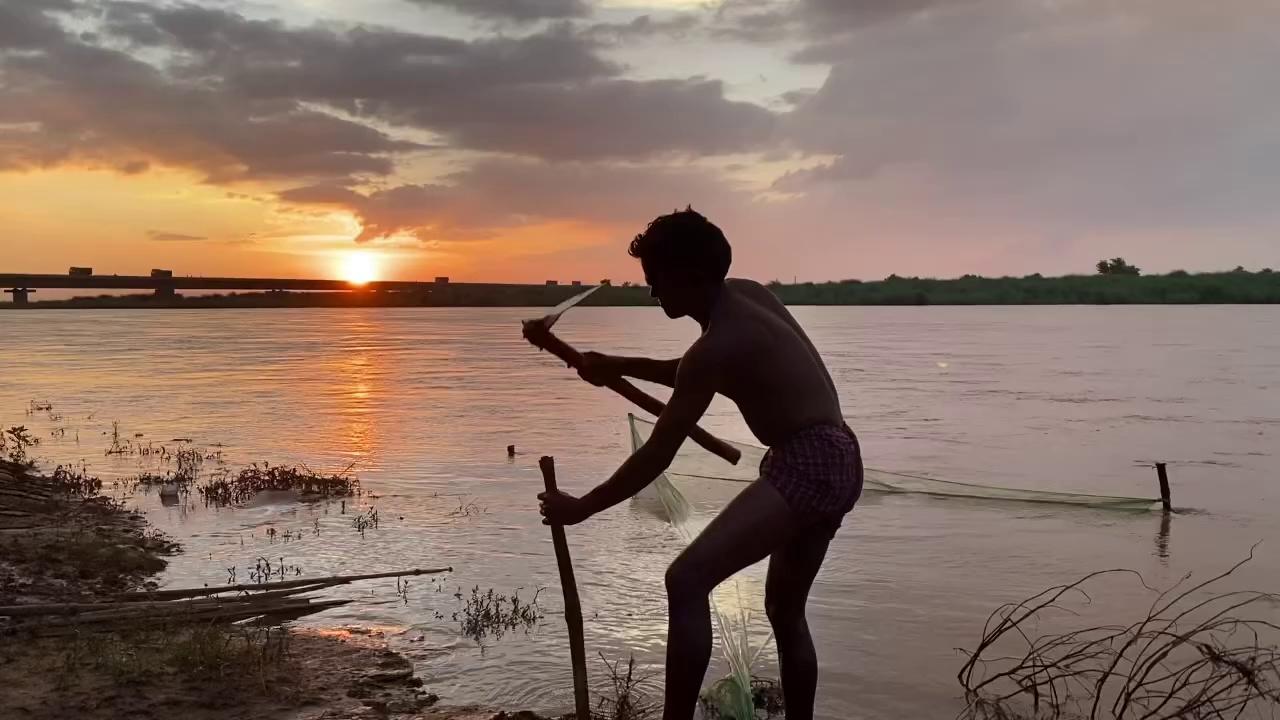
497,196
755,21
836,16
816,22
28,24
677,26
73,101
162,236
610,119
549,94
1073,118
516,10
266,58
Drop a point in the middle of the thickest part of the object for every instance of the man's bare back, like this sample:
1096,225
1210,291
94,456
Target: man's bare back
767,364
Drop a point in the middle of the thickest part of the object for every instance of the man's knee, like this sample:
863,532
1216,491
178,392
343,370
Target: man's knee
684,580
784,614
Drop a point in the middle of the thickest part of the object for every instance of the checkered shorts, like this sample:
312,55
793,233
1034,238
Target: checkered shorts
819,473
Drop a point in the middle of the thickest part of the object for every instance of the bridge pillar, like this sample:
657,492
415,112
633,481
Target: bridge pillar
20,295
164,291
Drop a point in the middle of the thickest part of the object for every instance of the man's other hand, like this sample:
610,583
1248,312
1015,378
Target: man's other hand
560,508
598,369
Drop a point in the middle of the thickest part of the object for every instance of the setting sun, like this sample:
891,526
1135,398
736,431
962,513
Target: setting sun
358,267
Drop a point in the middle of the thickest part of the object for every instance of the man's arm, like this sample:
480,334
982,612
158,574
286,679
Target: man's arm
695,386
662,372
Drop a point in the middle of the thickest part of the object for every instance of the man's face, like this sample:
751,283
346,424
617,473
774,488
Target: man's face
670,290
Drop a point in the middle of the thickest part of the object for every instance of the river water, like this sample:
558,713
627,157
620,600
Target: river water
424,401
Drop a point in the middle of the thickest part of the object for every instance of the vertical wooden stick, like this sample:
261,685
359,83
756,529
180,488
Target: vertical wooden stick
1163,476
572,607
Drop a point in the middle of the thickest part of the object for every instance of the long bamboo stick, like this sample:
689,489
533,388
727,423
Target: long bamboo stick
572,606
537,333
196,597
336,579
88,611
64,626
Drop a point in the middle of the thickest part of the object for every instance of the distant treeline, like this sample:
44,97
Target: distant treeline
1235,287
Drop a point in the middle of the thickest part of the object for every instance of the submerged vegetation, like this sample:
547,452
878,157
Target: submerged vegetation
491,614
241,487
766,699
14,444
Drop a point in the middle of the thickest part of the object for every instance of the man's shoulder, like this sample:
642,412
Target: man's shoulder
715,346
735,332
745,284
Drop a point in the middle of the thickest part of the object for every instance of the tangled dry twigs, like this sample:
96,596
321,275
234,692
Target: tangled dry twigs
1193,655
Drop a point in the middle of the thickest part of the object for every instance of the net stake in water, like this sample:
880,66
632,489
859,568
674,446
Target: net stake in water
1163,476
572,607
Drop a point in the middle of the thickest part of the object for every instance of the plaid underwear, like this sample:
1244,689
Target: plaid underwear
818,471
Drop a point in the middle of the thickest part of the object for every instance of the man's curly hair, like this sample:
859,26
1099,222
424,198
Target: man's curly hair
687,241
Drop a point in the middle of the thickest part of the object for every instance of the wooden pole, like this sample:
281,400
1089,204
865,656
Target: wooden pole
1163,476
572,607
537,333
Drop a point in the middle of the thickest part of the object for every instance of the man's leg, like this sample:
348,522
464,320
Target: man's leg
752,526
791,572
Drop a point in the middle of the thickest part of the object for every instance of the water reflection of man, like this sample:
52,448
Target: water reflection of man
752,351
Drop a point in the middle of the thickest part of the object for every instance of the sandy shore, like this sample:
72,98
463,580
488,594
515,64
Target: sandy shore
62,542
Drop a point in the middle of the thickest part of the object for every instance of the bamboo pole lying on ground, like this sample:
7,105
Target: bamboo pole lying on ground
332,580
193,603
280,611
572,606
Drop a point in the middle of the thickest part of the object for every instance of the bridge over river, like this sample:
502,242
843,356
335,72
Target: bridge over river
164,284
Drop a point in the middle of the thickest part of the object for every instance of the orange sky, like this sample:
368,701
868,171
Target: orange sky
80,217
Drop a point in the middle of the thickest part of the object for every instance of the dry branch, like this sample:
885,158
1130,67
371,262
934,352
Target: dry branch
1190,656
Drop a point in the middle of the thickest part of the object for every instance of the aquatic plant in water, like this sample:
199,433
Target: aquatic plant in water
490,613
75,481
15,442
365,521
237,489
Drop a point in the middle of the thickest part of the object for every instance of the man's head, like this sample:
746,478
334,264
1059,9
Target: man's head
684,257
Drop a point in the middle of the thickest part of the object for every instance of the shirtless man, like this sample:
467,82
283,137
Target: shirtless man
754,352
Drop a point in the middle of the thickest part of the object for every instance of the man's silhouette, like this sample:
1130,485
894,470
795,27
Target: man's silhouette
752,351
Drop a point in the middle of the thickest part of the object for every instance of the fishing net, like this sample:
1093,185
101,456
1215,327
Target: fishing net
692,464
739,645
732,696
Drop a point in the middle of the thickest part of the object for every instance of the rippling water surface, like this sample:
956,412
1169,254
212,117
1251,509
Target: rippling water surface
424,402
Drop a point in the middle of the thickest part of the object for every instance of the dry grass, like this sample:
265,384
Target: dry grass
1196,653
629,694
197,651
